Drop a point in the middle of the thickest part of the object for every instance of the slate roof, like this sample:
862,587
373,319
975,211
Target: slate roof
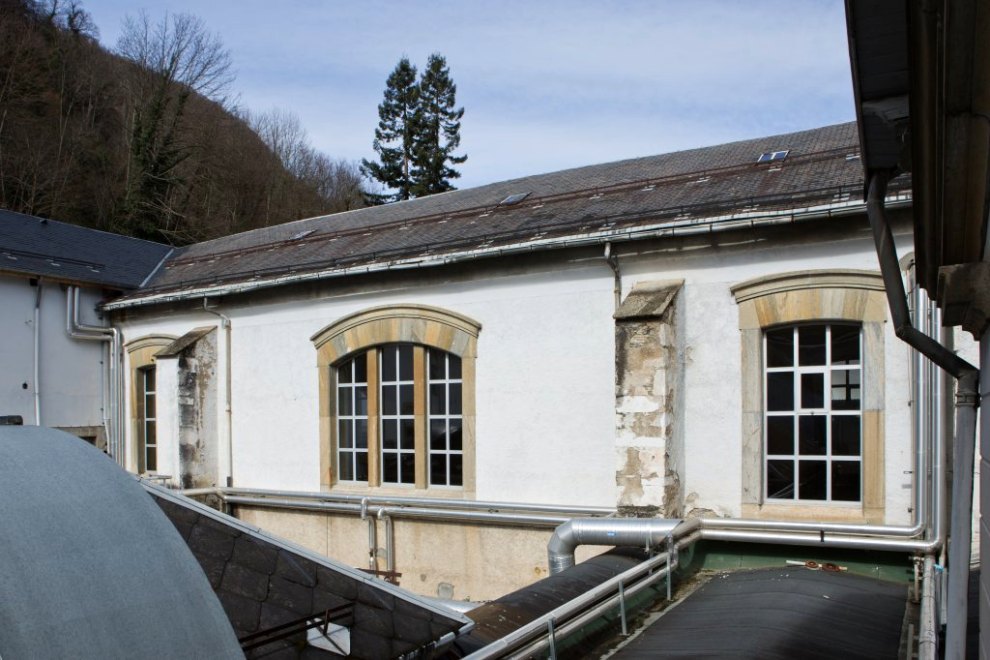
61,251
678,190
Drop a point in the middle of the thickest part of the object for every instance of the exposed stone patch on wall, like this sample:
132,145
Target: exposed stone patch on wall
646,374
197,406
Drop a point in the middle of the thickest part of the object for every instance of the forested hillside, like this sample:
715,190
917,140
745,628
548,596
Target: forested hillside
146,142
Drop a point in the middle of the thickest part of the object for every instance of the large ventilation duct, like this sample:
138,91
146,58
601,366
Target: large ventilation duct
619,532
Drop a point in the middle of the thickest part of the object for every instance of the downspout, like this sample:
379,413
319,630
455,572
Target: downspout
967,399
37,355
612,259
225,324
111,336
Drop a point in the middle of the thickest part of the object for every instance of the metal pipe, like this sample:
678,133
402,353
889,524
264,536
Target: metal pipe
967,399
635,579
77,330
820,540
228,368
389,539
624,532
37,354
405,512
612,259
927,629
399,501
372,536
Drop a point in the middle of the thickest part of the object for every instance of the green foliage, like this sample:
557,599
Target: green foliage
438,130
395,135
418,132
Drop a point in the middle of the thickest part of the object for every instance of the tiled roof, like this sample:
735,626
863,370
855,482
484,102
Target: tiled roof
687,187
61,251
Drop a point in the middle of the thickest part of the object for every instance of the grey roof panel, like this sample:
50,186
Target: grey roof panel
779,613
91,567
57,250
695,184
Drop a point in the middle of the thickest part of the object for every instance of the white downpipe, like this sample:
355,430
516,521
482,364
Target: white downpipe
37,355
111,336
228,393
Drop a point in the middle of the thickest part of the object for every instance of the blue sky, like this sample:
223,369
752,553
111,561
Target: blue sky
545,85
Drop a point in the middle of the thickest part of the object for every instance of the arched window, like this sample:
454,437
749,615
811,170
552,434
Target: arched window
143,445
813,395
397,399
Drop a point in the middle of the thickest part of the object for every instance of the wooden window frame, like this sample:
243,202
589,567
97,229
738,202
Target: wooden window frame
424,327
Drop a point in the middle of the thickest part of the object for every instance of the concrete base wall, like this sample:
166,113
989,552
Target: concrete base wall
451,560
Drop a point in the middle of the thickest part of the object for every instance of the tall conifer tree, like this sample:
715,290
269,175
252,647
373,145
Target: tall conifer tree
438,130
395,135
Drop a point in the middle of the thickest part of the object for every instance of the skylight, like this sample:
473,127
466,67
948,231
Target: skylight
771,156
513,199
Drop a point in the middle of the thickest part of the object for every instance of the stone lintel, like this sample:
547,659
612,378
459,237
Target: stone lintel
964,296
648,300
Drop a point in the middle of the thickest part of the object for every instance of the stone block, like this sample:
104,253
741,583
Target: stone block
207,541
214,569
273,615
377,598
245,582
244,613
295,569
324,600
411,629
255,554
406,610
290,595
373,620
369,646
337,583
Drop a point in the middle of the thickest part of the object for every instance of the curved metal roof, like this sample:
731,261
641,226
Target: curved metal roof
91,567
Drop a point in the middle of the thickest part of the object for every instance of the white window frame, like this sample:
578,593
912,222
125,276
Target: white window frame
446,417
351,420
798,410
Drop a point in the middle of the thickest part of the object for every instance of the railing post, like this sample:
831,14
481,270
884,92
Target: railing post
622,608
552,639
671,549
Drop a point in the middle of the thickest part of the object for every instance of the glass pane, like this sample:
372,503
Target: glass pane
780,347
406,401
361,368
361,394
780,435
438,399
149,406
438,469
811,435
388,400
390,468
407,435
845,435
438,434
346,468
388,364
361,433
405,362
408,462
361,474
780,391
455,435
455,399
845,389
344,401
811,345
454,366
151,459
344,372
812,480
812,390
780,479
456,470
151,432
344,431
845,344
436,360
390,432
845,481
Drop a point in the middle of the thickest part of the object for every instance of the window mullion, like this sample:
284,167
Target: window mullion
374,442
419,411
